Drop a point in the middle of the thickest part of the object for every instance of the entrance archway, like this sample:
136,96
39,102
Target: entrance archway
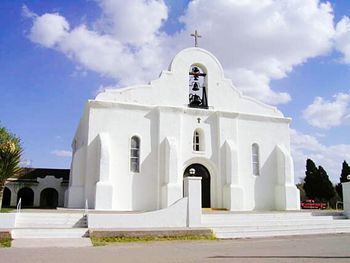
49,198
201,171
27,197
6,198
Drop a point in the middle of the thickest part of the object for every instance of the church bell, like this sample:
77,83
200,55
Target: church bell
195,86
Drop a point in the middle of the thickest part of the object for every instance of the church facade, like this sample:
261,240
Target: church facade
134,146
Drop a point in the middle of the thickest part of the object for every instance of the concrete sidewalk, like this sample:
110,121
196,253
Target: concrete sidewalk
296,249
51,242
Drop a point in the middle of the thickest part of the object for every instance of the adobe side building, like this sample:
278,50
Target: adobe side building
134,146
37,188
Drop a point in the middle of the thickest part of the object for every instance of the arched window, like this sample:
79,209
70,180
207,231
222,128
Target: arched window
197,90
135,154
198,141
255,159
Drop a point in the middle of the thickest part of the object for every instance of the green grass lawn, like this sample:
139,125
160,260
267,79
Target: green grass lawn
102,241
6,210
5,242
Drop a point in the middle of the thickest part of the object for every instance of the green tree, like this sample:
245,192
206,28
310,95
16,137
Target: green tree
345,172
10,156
326,190
311,183
316,183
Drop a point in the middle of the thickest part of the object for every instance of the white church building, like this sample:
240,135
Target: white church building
134,146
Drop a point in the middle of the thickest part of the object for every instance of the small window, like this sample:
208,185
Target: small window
255,159
135,154
196,141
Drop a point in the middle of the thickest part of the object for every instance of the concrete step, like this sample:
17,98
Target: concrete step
20,233
52,223
62,226
280,227
39,216
262,213
340,217
269,216
242,223
224,219
50,220
279,232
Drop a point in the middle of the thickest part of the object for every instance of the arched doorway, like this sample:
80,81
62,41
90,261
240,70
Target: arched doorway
49,198
27,197
201,171
6,198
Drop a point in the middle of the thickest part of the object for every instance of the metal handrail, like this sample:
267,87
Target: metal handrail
19,205
86,210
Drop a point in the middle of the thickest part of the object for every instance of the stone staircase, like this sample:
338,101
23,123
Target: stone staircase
228,225
32,225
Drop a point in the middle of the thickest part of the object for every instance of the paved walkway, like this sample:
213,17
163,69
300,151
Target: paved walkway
51,242
323,248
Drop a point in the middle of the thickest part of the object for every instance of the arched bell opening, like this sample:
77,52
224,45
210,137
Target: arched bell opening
198,92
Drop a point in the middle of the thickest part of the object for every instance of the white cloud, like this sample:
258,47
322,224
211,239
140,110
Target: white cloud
95,51
61,153
133,21
257,85
256,41
26,12
329,157
342,38
26,163
49,29
326,114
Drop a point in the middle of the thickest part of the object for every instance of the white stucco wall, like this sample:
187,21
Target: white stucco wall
158,114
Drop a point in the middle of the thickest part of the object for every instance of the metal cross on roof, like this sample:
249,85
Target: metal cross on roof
196,36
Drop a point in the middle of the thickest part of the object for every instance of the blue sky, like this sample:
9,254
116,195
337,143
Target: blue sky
55,55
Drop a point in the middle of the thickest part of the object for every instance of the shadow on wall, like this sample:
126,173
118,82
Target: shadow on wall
92,173
264,185
216,199
212,121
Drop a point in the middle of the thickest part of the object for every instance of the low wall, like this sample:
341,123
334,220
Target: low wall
346,198
7,220
172,216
